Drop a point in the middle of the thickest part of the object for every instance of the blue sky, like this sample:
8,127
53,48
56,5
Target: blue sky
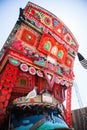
72,12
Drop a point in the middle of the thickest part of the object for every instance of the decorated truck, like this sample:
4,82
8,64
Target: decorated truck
36,72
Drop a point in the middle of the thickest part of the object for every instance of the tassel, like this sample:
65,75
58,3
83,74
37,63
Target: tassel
82,60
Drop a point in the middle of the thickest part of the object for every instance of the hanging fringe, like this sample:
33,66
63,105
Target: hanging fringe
82,60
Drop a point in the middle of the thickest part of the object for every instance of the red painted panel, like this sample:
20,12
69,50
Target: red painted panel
28,37
59,92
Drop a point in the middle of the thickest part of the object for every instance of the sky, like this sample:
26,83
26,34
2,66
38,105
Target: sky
73,13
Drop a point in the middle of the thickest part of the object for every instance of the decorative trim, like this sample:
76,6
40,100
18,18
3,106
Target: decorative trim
14,62
24,67
35,14
32,70
50,77
39,73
